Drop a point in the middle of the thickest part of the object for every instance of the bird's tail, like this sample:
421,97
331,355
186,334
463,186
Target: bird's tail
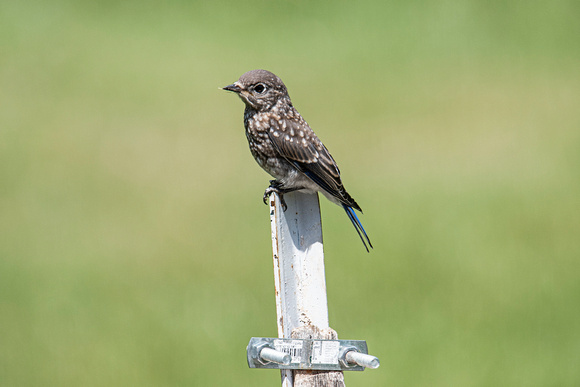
358,226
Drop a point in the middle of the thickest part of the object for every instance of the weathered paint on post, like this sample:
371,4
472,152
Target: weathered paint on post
300,281
298,256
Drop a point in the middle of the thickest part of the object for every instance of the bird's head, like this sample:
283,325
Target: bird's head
259,89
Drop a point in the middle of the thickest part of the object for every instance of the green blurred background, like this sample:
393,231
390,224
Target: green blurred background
134,245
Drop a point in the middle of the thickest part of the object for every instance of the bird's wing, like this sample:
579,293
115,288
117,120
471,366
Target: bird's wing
298,144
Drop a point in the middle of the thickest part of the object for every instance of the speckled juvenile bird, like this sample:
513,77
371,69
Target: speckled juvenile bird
285,146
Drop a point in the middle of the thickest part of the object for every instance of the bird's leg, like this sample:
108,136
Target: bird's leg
269,191
276,187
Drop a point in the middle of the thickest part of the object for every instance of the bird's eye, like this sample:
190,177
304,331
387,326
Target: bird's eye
260,88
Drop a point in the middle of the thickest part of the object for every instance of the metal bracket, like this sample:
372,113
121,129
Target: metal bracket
309,354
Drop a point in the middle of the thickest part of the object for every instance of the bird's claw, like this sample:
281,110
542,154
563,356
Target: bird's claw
269,191
283,202
266,196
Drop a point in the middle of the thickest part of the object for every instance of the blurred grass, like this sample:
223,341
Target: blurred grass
133,242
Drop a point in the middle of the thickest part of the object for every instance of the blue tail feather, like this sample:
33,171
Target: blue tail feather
358,226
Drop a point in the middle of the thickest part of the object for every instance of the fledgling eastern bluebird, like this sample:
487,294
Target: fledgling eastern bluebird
285,146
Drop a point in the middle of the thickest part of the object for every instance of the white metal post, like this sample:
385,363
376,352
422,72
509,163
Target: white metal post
298,266
298,262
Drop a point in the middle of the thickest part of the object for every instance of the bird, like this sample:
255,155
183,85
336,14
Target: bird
285,146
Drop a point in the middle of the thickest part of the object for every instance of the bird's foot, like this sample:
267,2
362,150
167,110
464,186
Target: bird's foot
275,187
270,190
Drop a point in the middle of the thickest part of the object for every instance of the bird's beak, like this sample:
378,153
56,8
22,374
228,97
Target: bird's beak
233,87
